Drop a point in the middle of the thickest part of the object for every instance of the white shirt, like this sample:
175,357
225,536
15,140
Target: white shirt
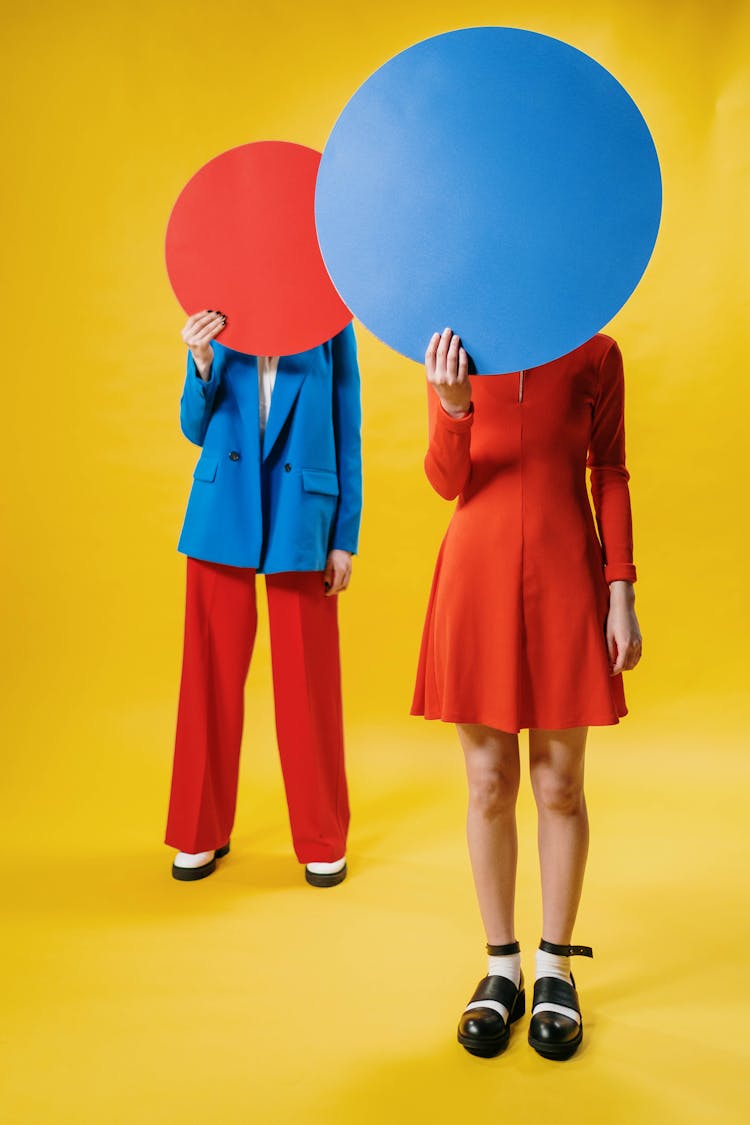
267,368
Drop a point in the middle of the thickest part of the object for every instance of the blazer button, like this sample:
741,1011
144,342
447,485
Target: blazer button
287,468
234,455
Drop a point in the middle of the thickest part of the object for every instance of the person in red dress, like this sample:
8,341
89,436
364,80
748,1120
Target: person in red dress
530,625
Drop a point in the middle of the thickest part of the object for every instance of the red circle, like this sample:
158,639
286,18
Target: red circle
241,238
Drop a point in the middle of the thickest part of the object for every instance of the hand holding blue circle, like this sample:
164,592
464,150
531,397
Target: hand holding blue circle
495,180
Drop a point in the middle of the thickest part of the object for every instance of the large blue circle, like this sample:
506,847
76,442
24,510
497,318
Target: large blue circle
494,180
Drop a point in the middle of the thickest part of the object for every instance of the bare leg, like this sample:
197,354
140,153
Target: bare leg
557,766
493,772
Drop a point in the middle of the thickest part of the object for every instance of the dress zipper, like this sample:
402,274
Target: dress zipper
520,385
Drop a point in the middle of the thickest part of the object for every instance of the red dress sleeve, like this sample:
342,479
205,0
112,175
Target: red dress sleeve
447,462
609,477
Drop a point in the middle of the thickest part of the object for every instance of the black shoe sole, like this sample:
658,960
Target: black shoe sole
332,880
491,1048
485,1051
558,1052
190,874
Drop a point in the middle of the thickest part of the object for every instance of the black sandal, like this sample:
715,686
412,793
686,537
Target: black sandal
552,1034
483,1031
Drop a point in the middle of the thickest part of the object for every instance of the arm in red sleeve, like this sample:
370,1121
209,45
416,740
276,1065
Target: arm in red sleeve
447,462
609,477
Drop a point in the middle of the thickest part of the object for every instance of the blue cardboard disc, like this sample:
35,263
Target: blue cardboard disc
493,180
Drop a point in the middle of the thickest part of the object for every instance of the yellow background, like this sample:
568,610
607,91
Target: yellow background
251,997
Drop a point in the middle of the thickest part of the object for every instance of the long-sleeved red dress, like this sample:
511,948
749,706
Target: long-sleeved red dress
515,629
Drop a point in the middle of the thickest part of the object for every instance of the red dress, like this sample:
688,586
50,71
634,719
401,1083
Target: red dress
515,628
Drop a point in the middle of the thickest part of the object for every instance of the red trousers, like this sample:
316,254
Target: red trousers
220,625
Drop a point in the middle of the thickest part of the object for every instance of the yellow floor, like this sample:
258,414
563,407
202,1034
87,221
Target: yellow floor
251,997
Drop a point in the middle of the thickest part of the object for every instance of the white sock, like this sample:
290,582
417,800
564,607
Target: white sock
550,965
509,965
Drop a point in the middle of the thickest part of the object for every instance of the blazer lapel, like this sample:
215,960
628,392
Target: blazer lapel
246,392
290,376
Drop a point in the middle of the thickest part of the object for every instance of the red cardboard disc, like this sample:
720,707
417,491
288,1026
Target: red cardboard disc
241,238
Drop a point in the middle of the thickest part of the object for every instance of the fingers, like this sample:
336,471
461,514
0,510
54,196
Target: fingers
635,649
204,337
611,648
430,354
340,581
203,327
624,641
337,574
333,586
451,364
445,360
204,316
442,349
619,663
627,653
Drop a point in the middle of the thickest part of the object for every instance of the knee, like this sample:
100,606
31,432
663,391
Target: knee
493,792
559,793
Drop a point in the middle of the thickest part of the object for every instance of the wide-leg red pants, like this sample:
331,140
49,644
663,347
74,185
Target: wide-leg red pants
220,625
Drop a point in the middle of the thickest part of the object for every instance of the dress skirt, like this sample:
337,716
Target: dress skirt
515,630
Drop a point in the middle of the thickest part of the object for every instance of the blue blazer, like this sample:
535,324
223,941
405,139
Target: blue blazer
282,503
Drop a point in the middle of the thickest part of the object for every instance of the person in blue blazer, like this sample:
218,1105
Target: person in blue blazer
277,490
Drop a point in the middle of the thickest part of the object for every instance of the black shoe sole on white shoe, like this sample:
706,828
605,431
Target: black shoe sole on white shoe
331,880
190,874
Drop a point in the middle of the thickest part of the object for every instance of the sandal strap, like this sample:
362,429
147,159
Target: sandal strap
552,990
503,950
497,988
566,950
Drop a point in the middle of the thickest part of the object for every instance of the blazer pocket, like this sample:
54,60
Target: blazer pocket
206,469
320,480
